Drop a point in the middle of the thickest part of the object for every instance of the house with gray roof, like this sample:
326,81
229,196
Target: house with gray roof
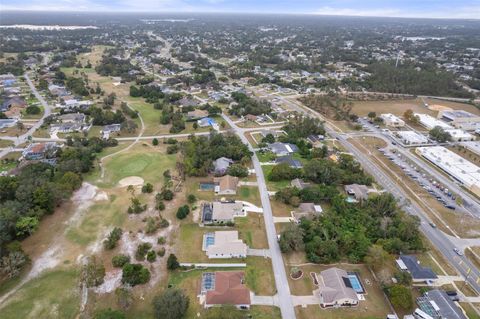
221,165
282,149
419,273
335,289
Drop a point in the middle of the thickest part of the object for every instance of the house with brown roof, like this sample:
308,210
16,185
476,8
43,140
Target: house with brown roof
224,288
251,117
358,192
226,185
335,289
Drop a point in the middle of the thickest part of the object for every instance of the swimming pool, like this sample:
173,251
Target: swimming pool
207,186
356,284
209,241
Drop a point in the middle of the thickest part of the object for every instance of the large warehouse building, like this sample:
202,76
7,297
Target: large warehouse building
456,166
473,147
412,138
430,122
460,119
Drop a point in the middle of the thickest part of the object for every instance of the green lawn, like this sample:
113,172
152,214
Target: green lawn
139,161
249,194
52,295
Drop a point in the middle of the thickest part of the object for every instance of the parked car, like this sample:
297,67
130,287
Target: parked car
457,251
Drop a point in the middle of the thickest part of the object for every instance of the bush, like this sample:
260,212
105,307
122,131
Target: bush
164,223
160,205
112,238
135,274
109,314
167,194
147,188
172,262
161,252
93,273
183,212
172,304
142,250
119,261
191,199
152,225
151,256
161,240
155,142
33,110
172,149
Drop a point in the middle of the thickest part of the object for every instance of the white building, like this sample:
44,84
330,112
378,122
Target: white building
430,122
460,135
456,166
473,147
460,119
392,120
412,138
224,244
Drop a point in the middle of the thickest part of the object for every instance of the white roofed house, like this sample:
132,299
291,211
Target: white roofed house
282,149
224,244
108,129
392,120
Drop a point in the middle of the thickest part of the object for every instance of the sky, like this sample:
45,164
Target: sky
462,9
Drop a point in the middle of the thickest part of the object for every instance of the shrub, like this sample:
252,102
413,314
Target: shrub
167,194
161,240
152,225
135,274
161,252
119,261
172,304
147,188
109,314
164,223
172,262
191,199
155,141
183,212
142,250
112,238
151,256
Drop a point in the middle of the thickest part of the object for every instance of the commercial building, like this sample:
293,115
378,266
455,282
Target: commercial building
456,166
224,244
473,147
460,119
392,120
460,135
430,122
412,138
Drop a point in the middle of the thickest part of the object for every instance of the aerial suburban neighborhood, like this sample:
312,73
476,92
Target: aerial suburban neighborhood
225,165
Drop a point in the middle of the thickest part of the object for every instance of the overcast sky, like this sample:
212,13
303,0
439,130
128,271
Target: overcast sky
398,8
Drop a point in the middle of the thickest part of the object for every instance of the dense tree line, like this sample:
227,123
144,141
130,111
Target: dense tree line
410,79
37,189
246,105
110,66
302,127
199,152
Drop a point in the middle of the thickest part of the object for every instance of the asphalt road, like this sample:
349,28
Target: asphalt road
281,280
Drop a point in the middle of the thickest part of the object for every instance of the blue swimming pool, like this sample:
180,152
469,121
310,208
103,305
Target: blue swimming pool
356,284
209,241
207,186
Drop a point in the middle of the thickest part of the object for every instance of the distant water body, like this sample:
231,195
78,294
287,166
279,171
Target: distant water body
47,27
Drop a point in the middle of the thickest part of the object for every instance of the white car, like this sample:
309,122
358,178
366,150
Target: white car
457,251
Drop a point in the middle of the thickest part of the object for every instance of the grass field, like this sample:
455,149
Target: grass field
52,295
144,161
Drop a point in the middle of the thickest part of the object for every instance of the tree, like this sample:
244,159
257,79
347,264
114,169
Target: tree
112,238
119,261
438,134
291,239
26,226
410,116
400,296
155,141
147,188
191,198
93,272
183,212
195,125
142,250
237,170
172,262
109,314
12,264
172,304
135,274
372,115
376,257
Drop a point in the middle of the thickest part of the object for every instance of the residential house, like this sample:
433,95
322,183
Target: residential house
299,183
357,192
226,185
221,165
288,159
207,121
264,133
306,210
7,123
196,114
222,212
419,273
282,149
13,102
316,140
187,102
335,289
39,151
224,244
251,117
72,118
108,129
224,288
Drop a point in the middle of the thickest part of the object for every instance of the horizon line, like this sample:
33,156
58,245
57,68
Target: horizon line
227,12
